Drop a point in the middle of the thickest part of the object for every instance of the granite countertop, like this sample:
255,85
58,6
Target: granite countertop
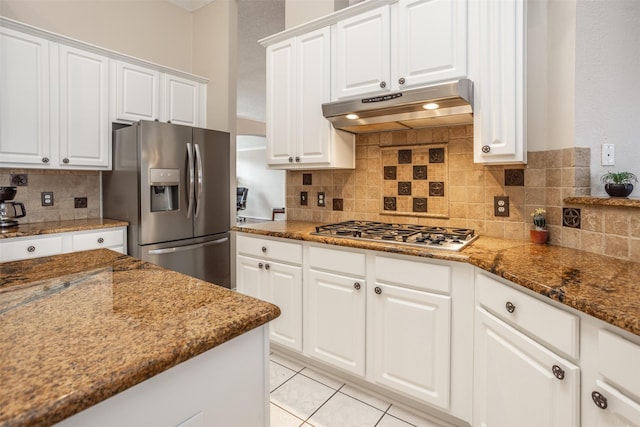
78,328
603,287
49,227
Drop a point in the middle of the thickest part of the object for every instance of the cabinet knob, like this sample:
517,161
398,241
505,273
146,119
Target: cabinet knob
290,159
65,160
383,84
45,160
264,249
267,266
558,372
356,286
260,265
297,159
599,400
31,249
510,307
100,240
401,80
377,290
486,148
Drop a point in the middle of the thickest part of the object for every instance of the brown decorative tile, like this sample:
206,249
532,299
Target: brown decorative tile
404,188
436,155
307,179
571,217
420,172
390,172
390,204
419,204
404,157
436,188
338,204
514,177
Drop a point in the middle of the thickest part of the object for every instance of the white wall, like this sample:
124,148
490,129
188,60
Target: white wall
607,87
266,186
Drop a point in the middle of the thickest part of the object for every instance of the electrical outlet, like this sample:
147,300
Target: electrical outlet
80,202
608,155
501,206
47,198
321,199
304,198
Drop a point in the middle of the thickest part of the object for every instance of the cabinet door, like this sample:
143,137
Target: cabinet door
432,41
499,93
285,291
250,279
181,101
515,383
83,108
335,331
411,342
362,59
620,410
24,99
281,100
313,56
137,93
27,248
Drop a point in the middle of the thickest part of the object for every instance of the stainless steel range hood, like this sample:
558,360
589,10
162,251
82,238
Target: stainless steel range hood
450,104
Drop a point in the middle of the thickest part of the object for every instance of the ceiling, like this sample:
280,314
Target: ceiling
256,19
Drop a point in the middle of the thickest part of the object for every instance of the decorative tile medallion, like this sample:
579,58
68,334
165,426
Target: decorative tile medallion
390,172
389,203
571,217
404,188
436,155
436,188
306,179
338,204
420,172
514,177
404,157
419,204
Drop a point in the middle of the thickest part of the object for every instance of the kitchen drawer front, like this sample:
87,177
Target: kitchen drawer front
618,362
106,238
17,249
539,320
290,253
342,261
418,275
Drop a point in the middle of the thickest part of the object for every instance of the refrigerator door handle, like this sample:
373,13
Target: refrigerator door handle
191,178
199,179
187,247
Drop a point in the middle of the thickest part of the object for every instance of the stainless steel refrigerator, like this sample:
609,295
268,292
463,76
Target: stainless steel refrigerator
171,183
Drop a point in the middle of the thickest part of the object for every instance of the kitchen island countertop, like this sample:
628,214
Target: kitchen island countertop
603,287
78,328
50,227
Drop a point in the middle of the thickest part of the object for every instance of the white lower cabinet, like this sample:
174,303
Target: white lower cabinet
271,270
517,380
19,248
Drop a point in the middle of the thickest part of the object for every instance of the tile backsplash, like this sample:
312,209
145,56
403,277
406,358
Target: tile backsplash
470,189
65,186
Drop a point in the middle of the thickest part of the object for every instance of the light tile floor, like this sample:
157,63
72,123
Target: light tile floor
303,397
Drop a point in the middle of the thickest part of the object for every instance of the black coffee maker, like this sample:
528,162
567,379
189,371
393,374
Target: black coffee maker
10,211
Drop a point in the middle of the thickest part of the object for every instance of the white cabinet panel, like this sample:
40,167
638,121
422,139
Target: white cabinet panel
24,99
104,238
285,290
84,109
19,248
411,348
620,410
137,92
183,101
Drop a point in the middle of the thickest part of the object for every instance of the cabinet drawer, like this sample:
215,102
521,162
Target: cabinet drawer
342,261
618,362
97,239
419,275
290,253
541,321
15,249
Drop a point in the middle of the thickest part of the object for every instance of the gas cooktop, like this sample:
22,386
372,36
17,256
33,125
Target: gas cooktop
446,238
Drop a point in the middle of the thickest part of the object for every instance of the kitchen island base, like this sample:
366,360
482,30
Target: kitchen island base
225,386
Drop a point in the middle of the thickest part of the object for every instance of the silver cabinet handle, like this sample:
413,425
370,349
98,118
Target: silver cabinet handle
100,240
510,307
45,160
356,286
377,290
486,149
260,265
31,249
297,159
264,249
65,160
401,80
599,400
383,84
191,179
267,266
199,179
290,159
558,372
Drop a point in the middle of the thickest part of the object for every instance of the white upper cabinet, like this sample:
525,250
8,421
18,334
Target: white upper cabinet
24,99
137,92
498,31
84,109
409,44
298,83
184,101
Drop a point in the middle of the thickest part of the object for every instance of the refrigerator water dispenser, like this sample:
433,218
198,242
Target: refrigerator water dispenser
165,188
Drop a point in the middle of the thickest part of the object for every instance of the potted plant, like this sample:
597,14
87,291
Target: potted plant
618,184
539,233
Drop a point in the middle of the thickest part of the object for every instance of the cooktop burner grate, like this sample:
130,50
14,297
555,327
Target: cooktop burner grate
447,238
